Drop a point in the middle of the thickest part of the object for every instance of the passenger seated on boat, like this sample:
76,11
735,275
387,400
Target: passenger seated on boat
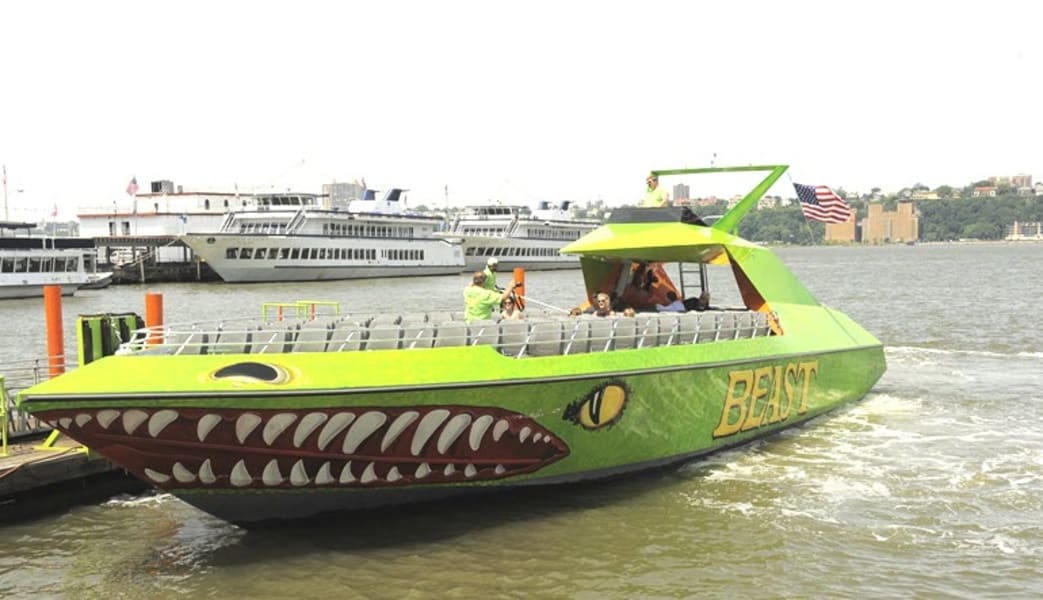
655,196
480,301
700,303
629,312
510,311
603,305
673,304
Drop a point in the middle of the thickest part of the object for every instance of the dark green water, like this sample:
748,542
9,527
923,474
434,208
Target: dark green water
931,487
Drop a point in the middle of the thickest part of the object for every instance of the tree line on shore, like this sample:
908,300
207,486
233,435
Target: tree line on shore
946,219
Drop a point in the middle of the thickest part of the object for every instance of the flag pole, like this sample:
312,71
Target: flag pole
6,218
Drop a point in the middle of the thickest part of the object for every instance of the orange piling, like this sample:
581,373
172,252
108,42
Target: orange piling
154,317
519,289
52,302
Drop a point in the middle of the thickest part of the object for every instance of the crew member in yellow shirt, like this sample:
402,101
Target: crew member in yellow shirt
655,196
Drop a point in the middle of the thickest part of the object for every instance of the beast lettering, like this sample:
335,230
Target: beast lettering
766,395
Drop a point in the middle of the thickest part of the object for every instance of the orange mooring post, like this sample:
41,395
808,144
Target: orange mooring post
154,317
519,289
52,305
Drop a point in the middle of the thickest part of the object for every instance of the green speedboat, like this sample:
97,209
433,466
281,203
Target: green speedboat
296,417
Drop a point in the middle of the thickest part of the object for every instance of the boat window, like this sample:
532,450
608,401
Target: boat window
273,253
246,253
59,265
284,253
6,265
34,264
295,254
232,253
19,265
261,253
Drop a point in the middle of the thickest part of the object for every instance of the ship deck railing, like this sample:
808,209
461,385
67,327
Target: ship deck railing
537,335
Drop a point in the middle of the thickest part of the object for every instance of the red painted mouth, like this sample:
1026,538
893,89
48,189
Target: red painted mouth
193,448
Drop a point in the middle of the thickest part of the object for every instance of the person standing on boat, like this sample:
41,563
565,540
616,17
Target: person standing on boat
490,273
480,301
655,196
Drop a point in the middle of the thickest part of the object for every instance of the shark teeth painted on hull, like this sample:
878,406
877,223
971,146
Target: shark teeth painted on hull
364,447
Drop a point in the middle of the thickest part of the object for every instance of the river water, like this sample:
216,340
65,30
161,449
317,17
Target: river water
932,486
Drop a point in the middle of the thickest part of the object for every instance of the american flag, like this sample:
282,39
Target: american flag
819,203
132,187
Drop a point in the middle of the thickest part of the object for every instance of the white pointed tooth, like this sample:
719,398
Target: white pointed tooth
397,426
206,425
337,424
501,428
82,419
426,429
240,477
271,474
324,476
481,425
156,476
470,471
546,439
499,470
361,429
422,471
160,420
245,425
206,472
276,425
452,430
298,474
537,437
65,422
346,476
524,434
308,424
132,419
394,475
182,474
106,417
449,470
370,474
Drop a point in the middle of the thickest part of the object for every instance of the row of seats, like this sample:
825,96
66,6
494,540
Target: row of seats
533,337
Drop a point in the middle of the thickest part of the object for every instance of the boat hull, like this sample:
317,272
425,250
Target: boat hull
318,258
249,456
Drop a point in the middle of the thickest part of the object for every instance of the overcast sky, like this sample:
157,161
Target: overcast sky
513,101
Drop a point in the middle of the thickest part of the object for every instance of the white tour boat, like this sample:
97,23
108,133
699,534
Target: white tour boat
29,262
288,237
518,236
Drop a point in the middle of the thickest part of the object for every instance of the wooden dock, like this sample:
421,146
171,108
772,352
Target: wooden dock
35,481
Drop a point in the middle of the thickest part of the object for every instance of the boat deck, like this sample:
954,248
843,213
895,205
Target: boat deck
543,335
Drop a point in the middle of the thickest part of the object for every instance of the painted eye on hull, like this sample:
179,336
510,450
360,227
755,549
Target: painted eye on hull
252,372
602,407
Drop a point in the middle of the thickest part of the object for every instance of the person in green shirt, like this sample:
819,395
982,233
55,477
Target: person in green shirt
490,273
480,301
655,196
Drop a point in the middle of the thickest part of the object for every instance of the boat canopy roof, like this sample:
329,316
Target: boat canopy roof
673,234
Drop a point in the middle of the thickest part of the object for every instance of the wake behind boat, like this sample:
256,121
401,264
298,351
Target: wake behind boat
517,236
255,421
287,237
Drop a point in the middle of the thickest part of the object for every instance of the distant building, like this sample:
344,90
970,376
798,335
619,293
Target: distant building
1016,181
1032,231
899,225
985,191
341,194
841,233
681,192
923,195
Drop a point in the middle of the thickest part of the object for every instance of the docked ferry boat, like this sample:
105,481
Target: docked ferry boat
280,419
518,236
28,262
287,237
